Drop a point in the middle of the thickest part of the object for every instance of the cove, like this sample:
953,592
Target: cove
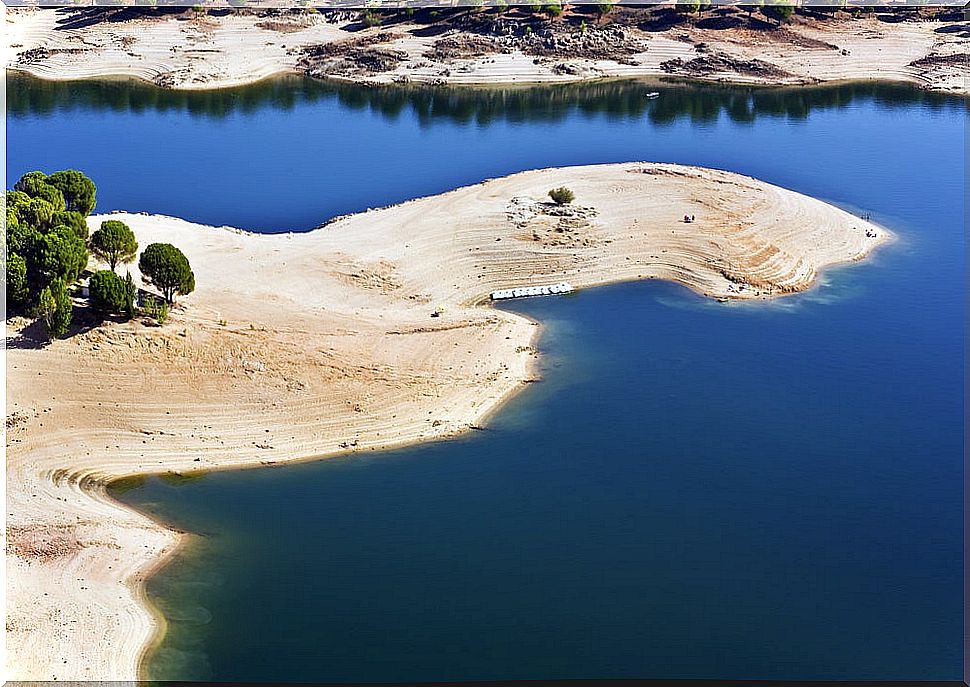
692,491
767,491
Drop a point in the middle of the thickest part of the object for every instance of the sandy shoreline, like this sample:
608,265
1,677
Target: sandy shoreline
236,49
298,346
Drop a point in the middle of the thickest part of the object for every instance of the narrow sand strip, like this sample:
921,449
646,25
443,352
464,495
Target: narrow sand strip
214,52
306,345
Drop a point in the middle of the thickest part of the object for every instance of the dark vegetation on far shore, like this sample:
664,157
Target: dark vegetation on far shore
462,104
654,16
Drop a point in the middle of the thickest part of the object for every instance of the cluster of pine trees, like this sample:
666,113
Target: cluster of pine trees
48,250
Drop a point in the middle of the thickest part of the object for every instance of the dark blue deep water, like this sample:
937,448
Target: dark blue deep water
695,490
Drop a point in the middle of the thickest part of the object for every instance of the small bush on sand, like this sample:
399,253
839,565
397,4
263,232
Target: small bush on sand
54,309
156,308
562,195
108,292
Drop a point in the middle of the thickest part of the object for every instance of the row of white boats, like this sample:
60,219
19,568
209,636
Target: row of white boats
525,291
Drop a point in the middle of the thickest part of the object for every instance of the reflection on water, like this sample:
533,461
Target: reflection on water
618,98
289,154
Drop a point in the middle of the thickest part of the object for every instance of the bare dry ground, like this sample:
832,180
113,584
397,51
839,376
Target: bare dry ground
202,51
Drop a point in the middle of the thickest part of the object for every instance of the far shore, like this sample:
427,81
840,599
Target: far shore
209,52
370,332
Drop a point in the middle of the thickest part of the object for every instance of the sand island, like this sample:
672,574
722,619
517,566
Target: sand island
299,346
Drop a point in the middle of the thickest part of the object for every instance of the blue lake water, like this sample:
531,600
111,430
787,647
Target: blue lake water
768,491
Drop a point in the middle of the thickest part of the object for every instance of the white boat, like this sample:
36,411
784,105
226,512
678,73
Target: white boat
525,291
653,94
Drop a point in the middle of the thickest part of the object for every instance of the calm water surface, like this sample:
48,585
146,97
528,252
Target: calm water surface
694,490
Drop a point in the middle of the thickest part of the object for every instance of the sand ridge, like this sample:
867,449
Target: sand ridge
306,345
235,49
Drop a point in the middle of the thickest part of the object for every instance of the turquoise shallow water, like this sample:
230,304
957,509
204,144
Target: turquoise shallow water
763,491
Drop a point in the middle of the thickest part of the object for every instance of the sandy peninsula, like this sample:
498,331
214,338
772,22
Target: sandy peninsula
297,346
199,51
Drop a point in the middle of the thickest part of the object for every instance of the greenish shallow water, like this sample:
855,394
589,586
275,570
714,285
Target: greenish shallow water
768,491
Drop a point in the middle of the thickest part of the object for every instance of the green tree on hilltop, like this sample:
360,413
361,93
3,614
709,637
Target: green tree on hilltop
50,194
36,213
46,246
73,219
79,191
114,242
57,254
15,201
166,267
30,182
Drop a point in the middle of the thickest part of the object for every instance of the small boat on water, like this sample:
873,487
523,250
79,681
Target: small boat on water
653,94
